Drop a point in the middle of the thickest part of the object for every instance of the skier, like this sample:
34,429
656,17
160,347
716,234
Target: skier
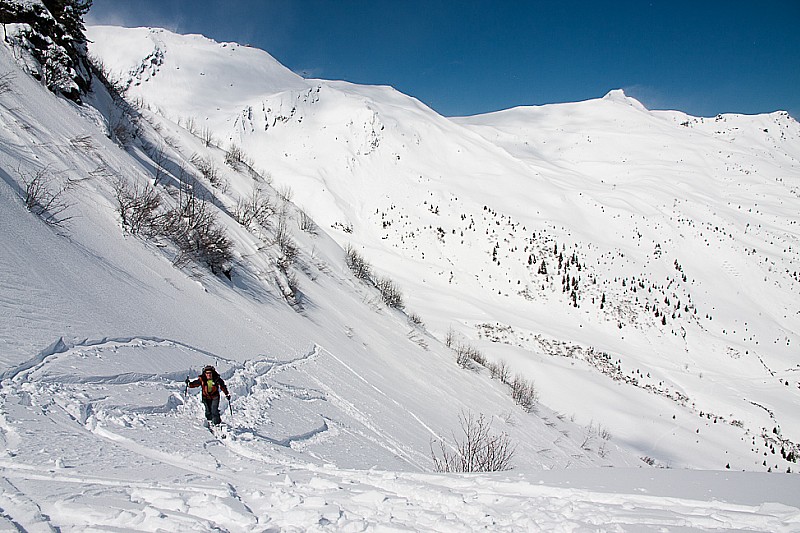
211,383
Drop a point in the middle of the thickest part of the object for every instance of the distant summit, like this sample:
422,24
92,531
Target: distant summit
618,95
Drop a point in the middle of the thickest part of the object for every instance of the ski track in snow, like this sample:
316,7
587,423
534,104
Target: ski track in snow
153,467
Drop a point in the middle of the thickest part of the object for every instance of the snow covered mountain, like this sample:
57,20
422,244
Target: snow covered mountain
638,268
669,241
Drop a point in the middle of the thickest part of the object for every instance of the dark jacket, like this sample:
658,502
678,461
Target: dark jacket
210,387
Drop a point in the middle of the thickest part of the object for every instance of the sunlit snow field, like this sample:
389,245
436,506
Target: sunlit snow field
645,422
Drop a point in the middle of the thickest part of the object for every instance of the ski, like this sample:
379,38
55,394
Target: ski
219,431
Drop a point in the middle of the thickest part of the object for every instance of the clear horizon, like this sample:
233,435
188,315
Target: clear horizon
478,57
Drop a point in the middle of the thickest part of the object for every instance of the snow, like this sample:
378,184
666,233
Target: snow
337,399
91,444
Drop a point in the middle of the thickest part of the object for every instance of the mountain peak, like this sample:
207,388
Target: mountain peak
618,95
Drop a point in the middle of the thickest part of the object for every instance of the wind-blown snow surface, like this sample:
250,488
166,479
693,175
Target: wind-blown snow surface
335,398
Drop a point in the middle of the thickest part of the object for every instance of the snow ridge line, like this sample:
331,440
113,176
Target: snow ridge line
62,346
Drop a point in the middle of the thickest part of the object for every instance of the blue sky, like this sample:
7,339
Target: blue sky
464,58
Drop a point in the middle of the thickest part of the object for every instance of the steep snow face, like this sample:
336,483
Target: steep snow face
650,249
201,77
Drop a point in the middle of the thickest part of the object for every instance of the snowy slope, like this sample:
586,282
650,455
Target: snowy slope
336,398
678,237
107,286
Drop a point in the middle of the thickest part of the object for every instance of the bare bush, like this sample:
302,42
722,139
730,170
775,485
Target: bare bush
255,208
451,337
138,208
44,195
306,223
524,393
116,88
207,168
83,143
390,293
197,233
286,244
120,130
589,436
357,264
157,154
207,136
5,82
499,370
479,450
293,282
236,158
416,320
466,353
285,193
189,124
124,120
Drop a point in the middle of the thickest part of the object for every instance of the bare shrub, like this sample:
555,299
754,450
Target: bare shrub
451,337
293,282
157,154
189,124
390,293
83,143
286,244
236,158
115,86
194,228
171,141
589,436
122,129
5,82
466,353
461,357
499,370
479,450
44,195
416,320
255,208
207,136
285,193
306,223
524,393
138,208
124,120
207,168
357,264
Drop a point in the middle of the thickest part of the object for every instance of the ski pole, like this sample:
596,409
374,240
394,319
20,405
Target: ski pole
185,393
230,406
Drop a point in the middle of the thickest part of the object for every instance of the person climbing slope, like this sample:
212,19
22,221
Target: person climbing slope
211,384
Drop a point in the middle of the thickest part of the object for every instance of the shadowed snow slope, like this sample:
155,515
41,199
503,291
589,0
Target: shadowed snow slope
338,399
